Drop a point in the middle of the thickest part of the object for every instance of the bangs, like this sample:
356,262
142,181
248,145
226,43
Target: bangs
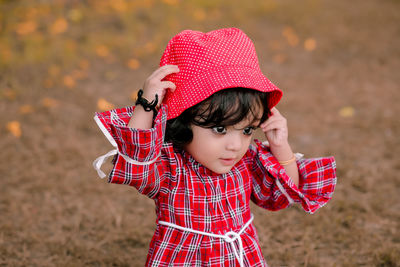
224,108
229,107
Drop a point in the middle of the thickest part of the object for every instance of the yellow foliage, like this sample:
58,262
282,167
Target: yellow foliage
104,105
171,2
75,15
26,27
14,127
310,44
6,54
59,26
118,5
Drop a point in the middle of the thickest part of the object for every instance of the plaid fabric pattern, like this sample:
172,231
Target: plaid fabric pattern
188,194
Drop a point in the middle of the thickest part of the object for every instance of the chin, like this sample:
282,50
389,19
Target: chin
222,170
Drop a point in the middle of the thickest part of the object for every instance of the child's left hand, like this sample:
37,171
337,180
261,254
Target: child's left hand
275,129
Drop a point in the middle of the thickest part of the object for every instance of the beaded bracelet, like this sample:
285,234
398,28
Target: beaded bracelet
147,106
287,162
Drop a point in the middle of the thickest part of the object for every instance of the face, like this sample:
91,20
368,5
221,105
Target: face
220,148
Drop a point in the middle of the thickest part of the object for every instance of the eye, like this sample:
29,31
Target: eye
248,130
219,129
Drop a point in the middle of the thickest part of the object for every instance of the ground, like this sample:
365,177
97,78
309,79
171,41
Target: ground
336,61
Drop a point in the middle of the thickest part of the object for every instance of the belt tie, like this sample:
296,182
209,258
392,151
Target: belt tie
230,237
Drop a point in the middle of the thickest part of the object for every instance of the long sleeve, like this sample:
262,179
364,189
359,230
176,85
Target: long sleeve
274,190
142,160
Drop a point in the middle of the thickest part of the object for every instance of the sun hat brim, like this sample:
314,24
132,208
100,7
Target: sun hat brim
215,79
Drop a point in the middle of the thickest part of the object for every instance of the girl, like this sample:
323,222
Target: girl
192,154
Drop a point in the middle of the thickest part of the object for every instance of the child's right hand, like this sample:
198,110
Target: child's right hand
154,84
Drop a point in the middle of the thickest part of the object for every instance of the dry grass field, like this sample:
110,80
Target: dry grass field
337,62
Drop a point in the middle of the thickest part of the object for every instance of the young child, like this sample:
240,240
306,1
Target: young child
187,145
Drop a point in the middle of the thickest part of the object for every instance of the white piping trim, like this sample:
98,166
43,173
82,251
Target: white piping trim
105,132
97,163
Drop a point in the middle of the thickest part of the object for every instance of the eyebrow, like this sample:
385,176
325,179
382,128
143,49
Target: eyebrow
250,125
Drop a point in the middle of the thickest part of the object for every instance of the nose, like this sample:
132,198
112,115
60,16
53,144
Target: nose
234,142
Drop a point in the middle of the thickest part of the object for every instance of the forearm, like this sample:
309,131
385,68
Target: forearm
141,119
283,153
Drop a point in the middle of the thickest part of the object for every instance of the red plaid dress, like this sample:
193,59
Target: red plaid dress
189,195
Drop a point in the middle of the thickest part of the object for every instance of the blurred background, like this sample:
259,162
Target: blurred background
337,63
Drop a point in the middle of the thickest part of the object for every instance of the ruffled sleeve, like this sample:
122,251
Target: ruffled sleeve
138,161
274,190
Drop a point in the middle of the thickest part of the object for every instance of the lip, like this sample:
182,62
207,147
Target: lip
227,161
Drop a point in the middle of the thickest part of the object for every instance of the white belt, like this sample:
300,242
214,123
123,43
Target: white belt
229,237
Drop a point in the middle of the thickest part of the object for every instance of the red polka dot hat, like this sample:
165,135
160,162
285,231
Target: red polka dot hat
209,62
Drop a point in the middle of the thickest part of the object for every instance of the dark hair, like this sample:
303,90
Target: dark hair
224,108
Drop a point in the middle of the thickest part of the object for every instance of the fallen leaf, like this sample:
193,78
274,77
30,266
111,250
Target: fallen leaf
104,105
14,127
102,51
78,74
75,15
84,64
150,47
275,45
48,83
133,64
49,102
291,36
346,112
310,44
59,26
280,58
26,27
119,5
9,94
69,81
25,109
134,95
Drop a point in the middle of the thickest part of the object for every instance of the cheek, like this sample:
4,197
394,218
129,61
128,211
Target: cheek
246,144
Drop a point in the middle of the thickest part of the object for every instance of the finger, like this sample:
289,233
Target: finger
270,120
164,71
274,125
168,85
